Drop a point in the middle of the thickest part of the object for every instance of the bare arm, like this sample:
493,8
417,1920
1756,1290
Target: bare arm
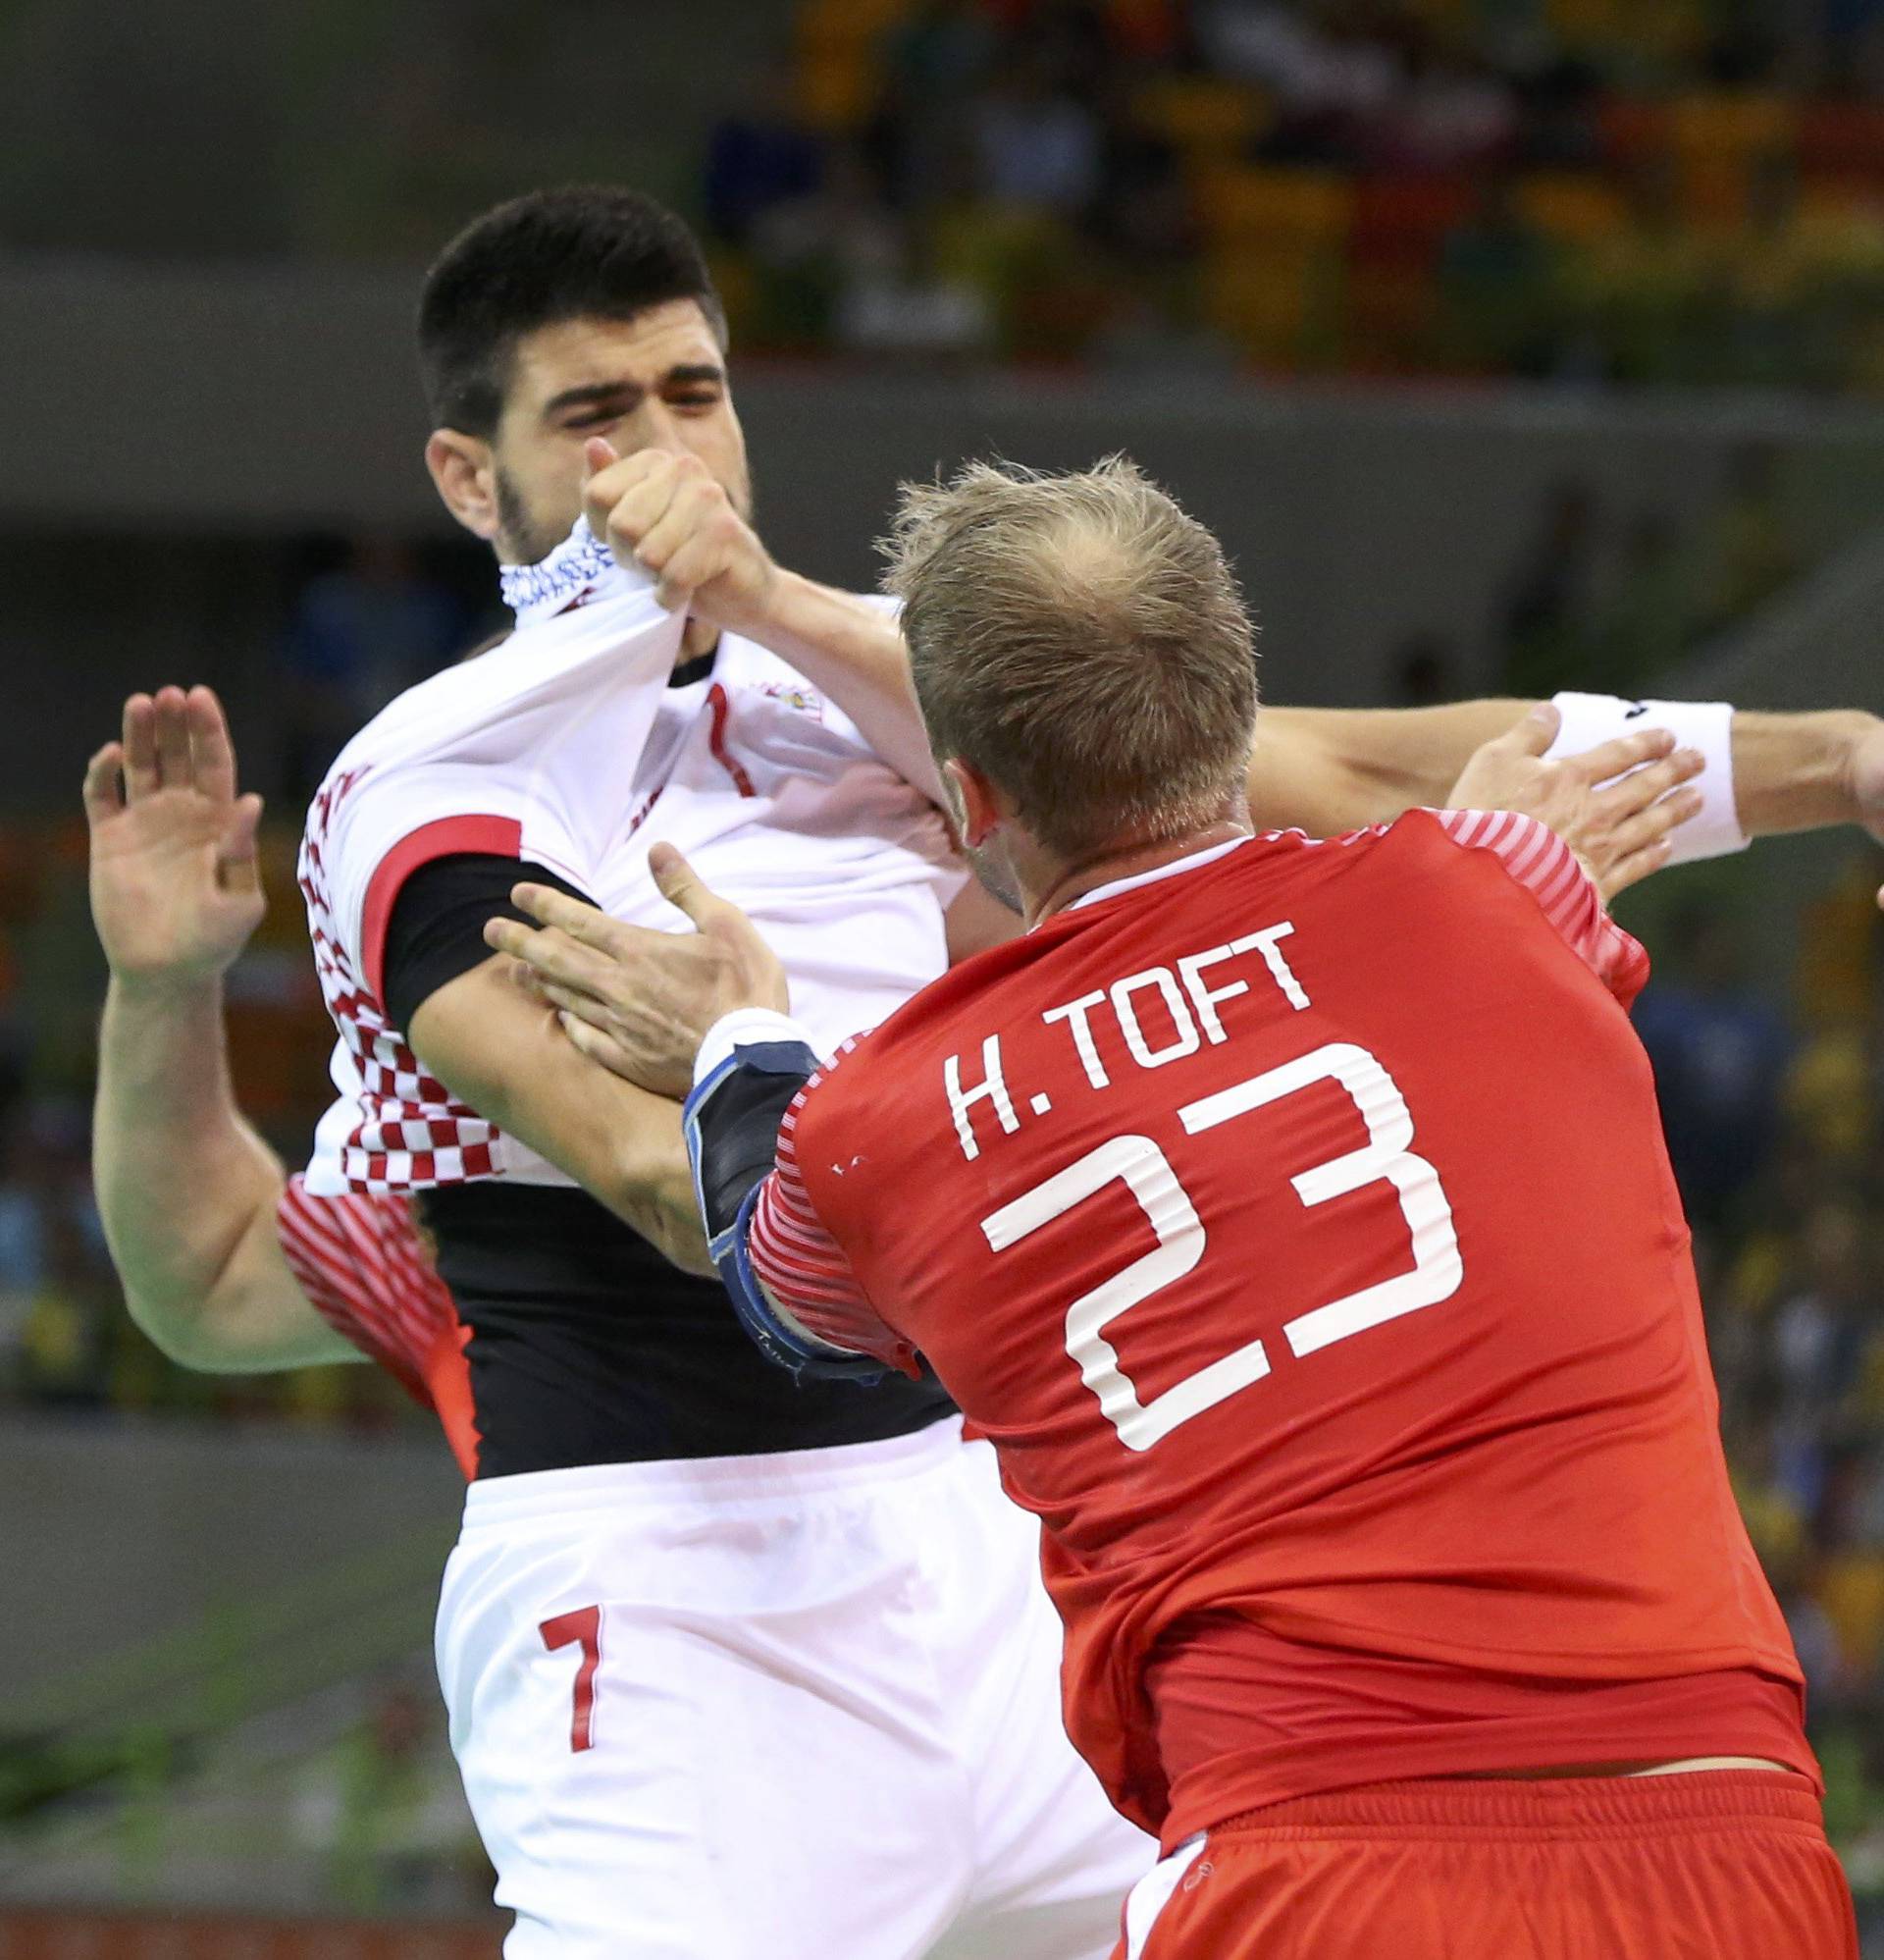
504,1055
1803,772
854,652
186,1190
667,514
1328,771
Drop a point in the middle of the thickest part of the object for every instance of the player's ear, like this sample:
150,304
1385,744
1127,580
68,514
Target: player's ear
466,474
974,802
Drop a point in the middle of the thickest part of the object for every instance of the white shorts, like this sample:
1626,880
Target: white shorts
801,1707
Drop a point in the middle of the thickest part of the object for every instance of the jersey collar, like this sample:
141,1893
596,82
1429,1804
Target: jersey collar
1176,866
578,566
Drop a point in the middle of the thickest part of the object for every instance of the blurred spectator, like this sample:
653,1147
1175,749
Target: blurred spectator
911,306
1444,115
1719,1052
814,255
1767,274
1497,273
760,156
1642,286
357,636
1822,1336
1037,147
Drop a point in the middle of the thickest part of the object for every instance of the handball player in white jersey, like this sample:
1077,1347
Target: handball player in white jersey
734,1666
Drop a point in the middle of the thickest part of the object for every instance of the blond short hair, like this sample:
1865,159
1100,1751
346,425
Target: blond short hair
1080,641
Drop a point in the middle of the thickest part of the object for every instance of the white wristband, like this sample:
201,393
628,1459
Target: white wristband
1714,831
743,1027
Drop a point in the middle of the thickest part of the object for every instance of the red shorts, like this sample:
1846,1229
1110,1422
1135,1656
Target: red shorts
1712,1864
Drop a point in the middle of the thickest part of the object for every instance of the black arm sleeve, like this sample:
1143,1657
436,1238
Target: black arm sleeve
437,929
734,1128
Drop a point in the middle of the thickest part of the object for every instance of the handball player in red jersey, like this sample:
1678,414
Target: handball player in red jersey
1294,1219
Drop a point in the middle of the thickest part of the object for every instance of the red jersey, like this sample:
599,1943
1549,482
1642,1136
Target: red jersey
1297,1224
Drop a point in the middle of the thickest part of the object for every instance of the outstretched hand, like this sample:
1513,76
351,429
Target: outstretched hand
175,886
638,1001
1617,806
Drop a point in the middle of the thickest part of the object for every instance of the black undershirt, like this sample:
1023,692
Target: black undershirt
586,1346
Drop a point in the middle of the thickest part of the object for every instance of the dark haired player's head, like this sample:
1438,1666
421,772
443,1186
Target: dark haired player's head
566,314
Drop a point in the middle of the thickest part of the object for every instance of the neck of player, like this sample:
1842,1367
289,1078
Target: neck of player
1049,885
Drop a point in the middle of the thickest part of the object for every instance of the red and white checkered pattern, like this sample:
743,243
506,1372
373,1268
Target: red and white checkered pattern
411,1134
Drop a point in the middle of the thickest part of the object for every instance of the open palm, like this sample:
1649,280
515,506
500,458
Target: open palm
175,888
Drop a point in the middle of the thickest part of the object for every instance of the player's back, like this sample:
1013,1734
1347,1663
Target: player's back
1298,1227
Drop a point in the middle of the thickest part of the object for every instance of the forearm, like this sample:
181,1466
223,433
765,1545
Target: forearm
180,1178
509,1059
854,652
1795,772
625,1148
1332,769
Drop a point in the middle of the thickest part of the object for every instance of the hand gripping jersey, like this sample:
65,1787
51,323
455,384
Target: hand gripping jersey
567,747
1297,1224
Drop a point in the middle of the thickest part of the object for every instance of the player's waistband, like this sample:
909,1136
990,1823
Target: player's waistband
1584,1806
712,1482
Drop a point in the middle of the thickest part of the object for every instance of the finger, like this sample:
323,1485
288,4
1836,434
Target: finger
580,921
1648,826
104,790
140,748
571,1000
680,885
1636,866
239,857
553,954
1625,752
599,488
1534,733
172,739
212,753
1647,784
599,1047
699,561
639,511
693,510
525,978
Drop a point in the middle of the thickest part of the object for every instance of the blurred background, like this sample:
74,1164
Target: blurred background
1511,345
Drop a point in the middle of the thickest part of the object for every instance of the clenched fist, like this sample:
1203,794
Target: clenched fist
667,514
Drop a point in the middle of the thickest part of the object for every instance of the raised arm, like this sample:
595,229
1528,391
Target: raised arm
186,1190
667,514
1328,771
